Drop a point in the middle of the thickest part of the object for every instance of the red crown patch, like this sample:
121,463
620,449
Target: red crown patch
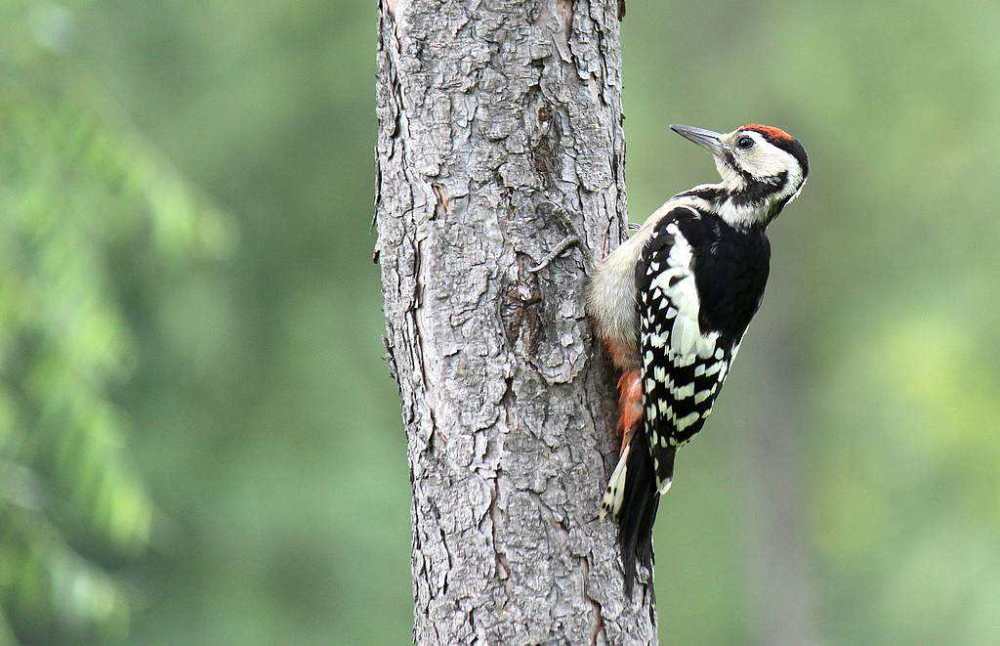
768,131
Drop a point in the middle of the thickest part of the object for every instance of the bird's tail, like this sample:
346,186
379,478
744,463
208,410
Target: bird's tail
632,497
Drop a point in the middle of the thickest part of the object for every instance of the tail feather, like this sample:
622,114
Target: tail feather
611,503
632,497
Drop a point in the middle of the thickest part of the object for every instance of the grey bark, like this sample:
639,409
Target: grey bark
487,109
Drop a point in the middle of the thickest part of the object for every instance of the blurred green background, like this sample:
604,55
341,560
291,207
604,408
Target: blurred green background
200,442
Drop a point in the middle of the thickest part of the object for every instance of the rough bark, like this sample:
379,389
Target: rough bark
487,109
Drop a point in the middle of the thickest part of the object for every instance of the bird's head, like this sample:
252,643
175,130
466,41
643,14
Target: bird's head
763,168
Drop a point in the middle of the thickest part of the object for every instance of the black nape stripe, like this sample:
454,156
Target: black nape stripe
747,177
708,194
757,190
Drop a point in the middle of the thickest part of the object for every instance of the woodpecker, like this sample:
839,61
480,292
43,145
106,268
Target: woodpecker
671,306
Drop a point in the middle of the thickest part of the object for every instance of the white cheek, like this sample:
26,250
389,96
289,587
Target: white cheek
770,161
768,165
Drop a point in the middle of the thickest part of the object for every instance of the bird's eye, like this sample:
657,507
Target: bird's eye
744,142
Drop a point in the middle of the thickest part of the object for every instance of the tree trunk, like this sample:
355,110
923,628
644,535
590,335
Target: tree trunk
487,109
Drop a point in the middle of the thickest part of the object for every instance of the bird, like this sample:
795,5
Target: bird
671,305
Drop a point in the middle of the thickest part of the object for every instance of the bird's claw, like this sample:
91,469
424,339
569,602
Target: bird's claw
565,244
572,240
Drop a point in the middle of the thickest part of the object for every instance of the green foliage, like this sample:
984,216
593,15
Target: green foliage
78,189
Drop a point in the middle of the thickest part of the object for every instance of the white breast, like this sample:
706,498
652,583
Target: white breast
611,293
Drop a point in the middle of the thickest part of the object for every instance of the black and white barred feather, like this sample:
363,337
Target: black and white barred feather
671,305
699,281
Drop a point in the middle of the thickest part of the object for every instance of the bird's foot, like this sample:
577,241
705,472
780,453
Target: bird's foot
571,240
566,243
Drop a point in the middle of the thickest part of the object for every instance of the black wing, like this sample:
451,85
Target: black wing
684,365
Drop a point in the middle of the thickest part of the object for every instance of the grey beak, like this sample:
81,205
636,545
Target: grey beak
705,138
